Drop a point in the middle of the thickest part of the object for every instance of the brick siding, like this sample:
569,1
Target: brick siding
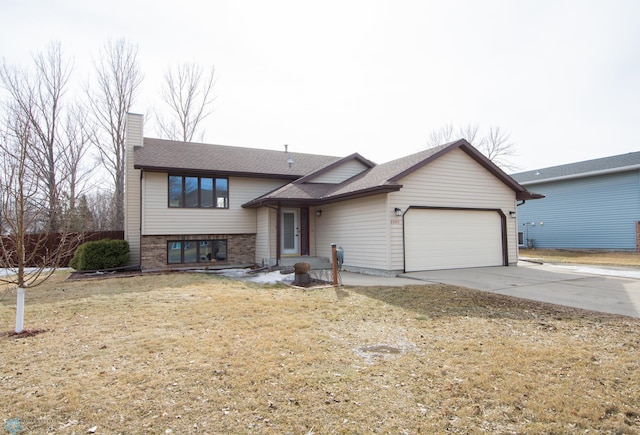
241,249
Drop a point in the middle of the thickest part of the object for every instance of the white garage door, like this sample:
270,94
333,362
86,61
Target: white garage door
451,239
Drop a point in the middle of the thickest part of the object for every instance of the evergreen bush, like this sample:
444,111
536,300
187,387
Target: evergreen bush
101,254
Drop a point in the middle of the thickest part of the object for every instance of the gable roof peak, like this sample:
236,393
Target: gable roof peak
368,164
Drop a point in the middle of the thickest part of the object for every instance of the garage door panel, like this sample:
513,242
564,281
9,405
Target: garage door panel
448,239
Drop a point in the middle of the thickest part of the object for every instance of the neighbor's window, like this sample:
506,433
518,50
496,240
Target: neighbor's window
198,192
520,238
196,251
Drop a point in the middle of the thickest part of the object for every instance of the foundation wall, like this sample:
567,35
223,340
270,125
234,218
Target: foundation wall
241,250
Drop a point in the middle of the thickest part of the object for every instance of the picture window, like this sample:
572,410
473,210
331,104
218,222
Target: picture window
198,192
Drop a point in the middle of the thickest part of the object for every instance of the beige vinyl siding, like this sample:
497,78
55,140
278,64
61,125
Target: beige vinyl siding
266,235
134,133
453,180
340,173
160,219
360,227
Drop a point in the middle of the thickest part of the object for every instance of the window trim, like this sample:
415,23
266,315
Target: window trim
183,191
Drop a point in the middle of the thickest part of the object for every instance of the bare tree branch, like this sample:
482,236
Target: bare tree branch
24,248
498,148
495,144
39,96
75,142
187,90
118,82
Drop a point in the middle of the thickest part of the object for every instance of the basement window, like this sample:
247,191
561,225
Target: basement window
196,251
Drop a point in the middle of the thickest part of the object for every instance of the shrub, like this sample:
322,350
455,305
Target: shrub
101,254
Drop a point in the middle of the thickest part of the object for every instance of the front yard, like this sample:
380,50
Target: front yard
194,353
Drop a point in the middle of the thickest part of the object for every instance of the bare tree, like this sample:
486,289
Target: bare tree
26,249
187,90
118,82
102,208
498,147
443,135
495,144
38,94
75,142
80,218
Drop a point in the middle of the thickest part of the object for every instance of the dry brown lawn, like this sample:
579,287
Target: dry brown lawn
603,258
194,353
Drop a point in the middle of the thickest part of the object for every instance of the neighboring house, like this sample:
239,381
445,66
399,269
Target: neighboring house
593,204
194,205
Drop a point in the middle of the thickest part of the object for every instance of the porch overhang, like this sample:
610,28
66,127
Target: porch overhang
272,201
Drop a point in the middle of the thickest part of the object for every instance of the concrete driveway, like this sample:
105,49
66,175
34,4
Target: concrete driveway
608,290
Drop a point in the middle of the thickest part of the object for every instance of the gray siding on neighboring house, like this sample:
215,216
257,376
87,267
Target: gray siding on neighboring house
596,212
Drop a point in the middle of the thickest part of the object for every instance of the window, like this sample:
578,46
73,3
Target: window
520,238
198,192
196,251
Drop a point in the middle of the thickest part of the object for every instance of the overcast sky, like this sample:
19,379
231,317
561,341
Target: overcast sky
373,77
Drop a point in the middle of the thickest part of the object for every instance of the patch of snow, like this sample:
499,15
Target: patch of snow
258,277
621,273
13,271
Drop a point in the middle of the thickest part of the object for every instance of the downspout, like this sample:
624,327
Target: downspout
140,222
278,232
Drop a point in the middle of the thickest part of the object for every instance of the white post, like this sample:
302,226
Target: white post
20,310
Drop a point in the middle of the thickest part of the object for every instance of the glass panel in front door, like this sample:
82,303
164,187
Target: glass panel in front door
289,232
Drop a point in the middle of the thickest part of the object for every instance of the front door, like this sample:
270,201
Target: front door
290,232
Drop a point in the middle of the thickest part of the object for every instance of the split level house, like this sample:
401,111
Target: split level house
592,204
202,205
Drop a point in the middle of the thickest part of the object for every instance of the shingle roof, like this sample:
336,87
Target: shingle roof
581,169
381,178
166,156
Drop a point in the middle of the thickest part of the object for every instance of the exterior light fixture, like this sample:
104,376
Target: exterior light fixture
512,214
397,211
318,213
